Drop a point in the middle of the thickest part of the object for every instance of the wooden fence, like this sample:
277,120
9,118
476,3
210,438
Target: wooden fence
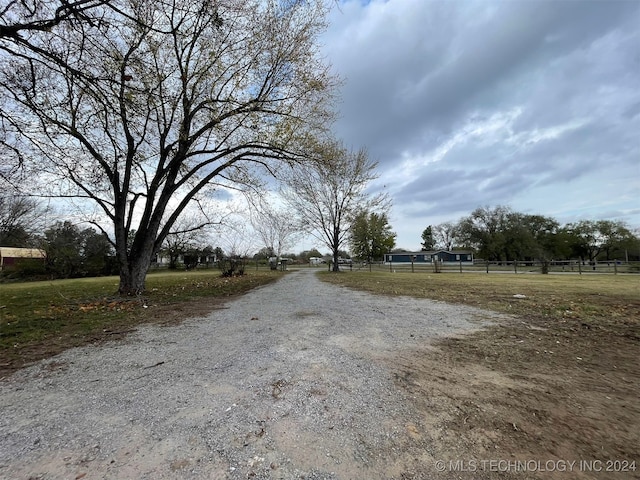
612,267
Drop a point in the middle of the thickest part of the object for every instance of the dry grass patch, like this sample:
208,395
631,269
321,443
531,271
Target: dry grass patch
41,319
558,380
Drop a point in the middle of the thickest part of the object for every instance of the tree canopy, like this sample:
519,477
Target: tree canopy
371,236
501,234
142,107
428,239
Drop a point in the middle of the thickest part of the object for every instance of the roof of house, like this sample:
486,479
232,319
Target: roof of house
13,252
433,252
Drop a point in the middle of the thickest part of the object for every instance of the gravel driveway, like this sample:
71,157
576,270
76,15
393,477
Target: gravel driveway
293,380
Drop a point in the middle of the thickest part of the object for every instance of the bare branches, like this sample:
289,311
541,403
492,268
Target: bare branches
329,193
276,226
39,17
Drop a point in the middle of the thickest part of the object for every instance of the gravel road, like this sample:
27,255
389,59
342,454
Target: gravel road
293,380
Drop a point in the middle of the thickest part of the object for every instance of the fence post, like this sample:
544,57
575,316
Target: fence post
460,263
487,266
580,266
515,266
615,266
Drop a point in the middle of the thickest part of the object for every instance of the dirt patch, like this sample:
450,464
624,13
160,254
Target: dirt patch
531,399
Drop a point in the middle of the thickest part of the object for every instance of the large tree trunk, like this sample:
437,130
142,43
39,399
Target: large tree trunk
133,275
134,259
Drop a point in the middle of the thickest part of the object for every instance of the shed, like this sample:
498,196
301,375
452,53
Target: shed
12,255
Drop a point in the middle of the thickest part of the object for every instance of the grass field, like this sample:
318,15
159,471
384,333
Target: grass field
40,319
606,298
557,379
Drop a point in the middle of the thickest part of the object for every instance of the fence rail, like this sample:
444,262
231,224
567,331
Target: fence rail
612,267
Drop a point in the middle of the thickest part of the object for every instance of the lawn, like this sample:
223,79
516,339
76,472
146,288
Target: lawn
558,378
607,299
40,319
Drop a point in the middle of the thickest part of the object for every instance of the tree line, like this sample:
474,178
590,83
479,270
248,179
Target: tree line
502,234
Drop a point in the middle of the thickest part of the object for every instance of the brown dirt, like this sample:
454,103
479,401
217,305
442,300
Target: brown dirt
528,398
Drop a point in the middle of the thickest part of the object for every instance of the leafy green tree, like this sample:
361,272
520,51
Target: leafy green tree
590,239
428,240
616,237
529,237
371,236
500,234
485,230
63,244
97,254
72,252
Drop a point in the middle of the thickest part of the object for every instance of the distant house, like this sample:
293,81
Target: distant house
163,260
445,256
10,256
316,261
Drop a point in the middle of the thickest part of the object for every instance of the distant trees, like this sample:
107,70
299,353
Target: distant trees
588,239
305,255
21,220
328,194
445,235
72,252
371,236
276,227
501,234
186,239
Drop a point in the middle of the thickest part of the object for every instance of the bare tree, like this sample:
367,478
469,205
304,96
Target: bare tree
328,194
19,18
188,234
21,219
154,102
445,234
277,228
238,240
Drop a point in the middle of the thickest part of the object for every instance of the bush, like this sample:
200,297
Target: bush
26,269
232,266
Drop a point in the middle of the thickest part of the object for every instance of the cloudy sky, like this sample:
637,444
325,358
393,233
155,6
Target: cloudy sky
530,104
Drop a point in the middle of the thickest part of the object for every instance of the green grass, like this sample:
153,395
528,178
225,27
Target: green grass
38,319
607,299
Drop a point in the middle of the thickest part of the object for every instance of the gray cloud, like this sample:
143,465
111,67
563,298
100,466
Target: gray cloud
496,99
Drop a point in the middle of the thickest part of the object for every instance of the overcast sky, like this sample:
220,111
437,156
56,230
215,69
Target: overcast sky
530,104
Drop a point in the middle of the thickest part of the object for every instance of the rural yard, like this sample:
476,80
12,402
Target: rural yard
305,378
